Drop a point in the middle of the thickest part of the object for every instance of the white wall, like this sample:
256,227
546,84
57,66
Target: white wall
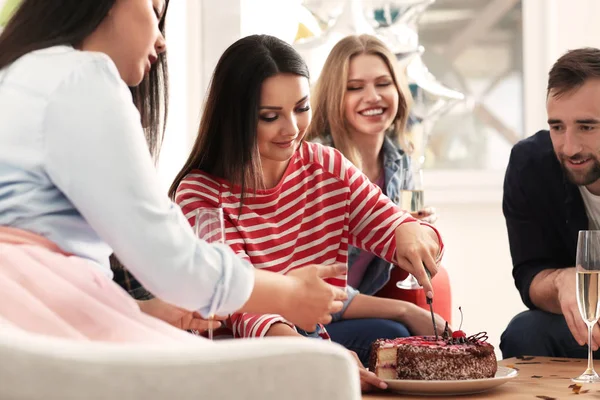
198,32
176,144
469,202
477,259
550,28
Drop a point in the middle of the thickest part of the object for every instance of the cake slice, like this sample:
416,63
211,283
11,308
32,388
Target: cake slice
384,359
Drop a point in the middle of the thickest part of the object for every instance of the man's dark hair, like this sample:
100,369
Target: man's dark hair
573,69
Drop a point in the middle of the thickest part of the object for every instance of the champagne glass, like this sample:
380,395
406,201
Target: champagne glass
411,199
210,226
588,292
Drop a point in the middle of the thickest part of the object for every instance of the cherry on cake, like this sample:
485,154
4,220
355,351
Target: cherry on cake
425,358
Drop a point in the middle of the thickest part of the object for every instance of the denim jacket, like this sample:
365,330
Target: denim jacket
378,271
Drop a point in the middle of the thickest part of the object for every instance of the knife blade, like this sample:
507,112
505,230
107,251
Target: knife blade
430,302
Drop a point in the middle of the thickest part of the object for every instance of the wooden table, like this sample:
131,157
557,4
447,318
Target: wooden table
538,377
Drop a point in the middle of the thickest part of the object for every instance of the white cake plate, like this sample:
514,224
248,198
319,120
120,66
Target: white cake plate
449,388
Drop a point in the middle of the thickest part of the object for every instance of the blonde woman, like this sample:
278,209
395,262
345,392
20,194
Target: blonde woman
360,108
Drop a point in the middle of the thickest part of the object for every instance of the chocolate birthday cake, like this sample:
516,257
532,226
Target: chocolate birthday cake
450,357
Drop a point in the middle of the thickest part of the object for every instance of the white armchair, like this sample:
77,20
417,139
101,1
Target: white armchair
34,367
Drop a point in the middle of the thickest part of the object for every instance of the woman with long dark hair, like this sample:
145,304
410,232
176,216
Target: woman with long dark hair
289,204
77,183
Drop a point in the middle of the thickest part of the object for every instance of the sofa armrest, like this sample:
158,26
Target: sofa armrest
34,367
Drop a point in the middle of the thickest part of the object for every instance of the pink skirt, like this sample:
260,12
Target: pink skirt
45,291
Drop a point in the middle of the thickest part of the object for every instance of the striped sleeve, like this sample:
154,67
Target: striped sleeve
197,191
247,325
373,218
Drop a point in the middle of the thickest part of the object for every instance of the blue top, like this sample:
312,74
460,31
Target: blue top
75,168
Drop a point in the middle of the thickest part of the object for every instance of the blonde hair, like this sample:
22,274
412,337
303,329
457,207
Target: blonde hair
330,91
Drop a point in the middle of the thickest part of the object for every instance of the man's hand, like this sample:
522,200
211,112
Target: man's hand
567,297
178,317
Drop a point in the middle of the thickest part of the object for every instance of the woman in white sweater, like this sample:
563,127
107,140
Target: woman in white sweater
77,182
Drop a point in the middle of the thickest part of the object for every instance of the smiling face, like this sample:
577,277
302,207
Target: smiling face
130,36
371,99
574,120
284,115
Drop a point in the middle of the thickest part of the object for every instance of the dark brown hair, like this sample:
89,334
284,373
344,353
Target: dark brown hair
38,24
573,69
226,146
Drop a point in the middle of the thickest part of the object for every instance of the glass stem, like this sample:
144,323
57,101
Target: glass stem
210,329
590,367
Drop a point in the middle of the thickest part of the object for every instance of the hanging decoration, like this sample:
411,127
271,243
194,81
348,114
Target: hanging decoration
323,23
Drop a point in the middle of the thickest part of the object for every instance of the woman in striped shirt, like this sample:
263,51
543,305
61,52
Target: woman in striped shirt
289,203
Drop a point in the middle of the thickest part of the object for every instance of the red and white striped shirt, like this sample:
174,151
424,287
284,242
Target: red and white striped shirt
321,204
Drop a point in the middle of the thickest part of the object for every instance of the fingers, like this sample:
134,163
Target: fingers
596,337
576,326
339,294
308,327
368,379
202,325
325,320
331,271
428,214
336,306
430,264
420,274
423,213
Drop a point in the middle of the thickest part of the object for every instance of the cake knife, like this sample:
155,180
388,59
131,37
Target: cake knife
430,302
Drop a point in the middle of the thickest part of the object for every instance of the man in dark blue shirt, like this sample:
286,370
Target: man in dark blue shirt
552,191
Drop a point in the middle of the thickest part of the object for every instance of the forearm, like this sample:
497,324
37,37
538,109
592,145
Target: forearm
281,329
269,286
544,289
363,306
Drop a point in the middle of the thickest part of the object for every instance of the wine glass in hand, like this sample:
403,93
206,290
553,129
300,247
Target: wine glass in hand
210,226
412,200
588,292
